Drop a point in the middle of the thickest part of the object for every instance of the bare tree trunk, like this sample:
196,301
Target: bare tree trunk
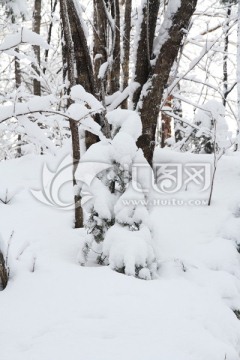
166,132
18,80
69,56
99,41
49,37
177,110
151,99
114,76
82,58
126,46
225,57
145,45
238,75
36,48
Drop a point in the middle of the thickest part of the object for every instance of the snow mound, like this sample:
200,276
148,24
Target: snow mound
129,251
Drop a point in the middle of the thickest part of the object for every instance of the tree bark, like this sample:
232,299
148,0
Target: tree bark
84,68
151,97
166,132
225,57
18,80
145,45
126,46
69,56
237,147
114,76
82,59
99,41
36,48
49,37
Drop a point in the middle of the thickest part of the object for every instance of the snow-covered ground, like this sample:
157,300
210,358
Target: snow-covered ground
55,309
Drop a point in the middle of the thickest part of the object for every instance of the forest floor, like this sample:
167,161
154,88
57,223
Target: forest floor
55,309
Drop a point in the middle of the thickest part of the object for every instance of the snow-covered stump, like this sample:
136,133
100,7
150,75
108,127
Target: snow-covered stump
118,219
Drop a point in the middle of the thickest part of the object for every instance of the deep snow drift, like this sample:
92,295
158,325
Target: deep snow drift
53,308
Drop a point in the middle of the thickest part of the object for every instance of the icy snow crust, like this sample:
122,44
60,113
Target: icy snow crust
65,311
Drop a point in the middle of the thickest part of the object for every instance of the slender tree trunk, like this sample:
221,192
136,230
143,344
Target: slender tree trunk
69,56
150,100
114,76
177,110
126,46
36,29
18,80
225,57
166,132
99,41
49,37
238,74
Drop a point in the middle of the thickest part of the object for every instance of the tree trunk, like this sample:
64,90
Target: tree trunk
36,48
145,45
126,46
166,132
68,50
151,97
238,74
114,76
18,80
225,57
49,37
82,58
99,41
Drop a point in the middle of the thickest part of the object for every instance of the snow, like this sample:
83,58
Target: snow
23,35
103,70
128,248
213,111
63,310
35,104
77,111
121,96
125,121
78,93
18,7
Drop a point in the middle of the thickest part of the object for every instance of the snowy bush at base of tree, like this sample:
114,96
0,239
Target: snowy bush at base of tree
117,216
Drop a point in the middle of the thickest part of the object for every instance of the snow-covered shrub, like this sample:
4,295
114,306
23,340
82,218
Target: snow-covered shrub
209,128
118,218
